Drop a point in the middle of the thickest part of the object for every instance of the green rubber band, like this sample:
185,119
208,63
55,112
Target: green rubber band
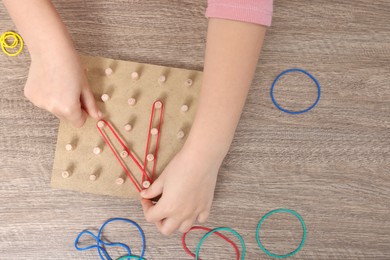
271,213
221,229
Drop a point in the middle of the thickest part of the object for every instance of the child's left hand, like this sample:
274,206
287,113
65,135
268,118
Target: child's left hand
187,186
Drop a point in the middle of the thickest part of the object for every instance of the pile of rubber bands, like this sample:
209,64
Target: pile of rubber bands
101,245
236,234
11,43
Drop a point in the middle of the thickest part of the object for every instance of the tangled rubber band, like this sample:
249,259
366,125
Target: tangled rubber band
210,232
290,111
100,244
14,39
271,213
183,241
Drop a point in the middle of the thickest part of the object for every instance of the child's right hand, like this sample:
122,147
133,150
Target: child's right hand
58,84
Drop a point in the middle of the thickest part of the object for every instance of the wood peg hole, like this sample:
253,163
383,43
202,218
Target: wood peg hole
105,97
184,108
180,135
188,82
69,147
154,131
146,184
65,174
128,127
134,75
131,101
120,181
108,71
158,105
101,124
162,79
97,150
124,154
150,157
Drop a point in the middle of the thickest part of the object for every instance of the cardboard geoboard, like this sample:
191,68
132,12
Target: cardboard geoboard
83,161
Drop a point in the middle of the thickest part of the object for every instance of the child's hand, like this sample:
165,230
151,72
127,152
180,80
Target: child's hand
58,84
187,186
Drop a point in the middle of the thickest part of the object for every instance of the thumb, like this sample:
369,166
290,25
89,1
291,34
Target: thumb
78,118
89,103
154,190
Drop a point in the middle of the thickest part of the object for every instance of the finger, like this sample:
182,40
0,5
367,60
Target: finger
59,117
73,113
202,218
154,190
186,225
146,204
153,213
169,226
78,118
89,104
159,224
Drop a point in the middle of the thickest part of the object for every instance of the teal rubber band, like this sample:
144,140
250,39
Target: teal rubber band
130,257
278,211
221,229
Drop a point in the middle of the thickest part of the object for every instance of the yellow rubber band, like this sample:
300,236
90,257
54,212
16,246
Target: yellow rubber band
11,40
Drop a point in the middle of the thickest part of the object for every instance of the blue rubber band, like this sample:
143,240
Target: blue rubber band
100,244
271,213
221,229
300,111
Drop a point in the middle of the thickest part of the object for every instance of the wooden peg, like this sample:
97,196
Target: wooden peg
134,75
101,124
124,154
188,82
69,147
184,108
150,157
105,97
65,174
120,181
146,184
128,127
162,79
108,71
154,131
131,101
97,150
180,135
93,177
158,105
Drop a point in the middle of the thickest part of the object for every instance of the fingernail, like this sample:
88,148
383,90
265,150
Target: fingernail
99,114
143,193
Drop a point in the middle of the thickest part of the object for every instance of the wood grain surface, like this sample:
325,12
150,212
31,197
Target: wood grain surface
332,165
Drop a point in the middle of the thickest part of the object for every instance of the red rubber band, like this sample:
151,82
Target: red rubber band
157,139
128,173
183,241
143,167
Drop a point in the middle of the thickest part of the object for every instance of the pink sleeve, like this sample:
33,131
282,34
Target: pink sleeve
252,11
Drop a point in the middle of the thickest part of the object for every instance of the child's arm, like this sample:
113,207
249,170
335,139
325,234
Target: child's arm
56,80
187,184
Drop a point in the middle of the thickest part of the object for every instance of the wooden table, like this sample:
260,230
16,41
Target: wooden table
331,165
